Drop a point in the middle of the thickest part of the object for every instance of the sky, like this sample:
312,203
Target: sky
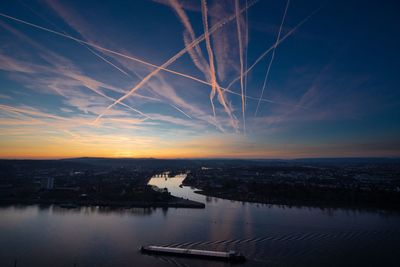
199,79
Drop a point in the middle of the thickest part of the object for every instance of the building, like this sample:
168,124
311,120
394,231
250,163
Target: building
48,183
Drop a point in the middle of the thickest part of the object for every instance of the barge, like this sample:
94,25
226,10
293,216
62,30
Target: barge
231,256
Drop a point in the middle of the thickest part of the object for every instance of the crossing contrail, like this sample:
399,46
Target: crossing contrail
214,28
201,38
197,55
189,36
169,62
97,91
239,34
103,48
271,48
130,76
108,62
103,59
213,77
272,57
122,104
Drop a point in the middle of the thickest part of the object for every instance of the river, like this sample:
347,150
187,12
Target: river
269,235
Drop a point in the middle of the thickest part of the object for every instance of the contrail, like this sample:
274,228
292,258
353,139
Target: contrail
122,104
102,58
188,37
99,56
210,53
196,53
215,87
175,107
246,56
104,49
168,62
239,34
272,47
201,38
272,57
64,32
31,112
198,40
130,76
107,61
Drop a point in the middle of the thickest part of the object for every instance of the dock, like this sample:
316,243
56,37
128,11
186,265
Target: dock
231,256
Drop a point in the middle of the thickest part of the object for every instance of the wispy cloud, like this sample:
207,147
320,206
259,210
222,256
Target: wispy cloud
208,69
214,28
2,96
167,63
71,67
61,68
78,79
189,36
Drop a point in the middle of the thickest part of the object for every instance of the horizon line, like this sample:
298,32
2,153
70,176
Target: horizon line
203,158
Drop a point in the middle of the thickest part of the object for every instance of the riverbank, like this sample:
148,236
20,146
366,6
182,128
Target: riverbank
365,187
173,202
302,203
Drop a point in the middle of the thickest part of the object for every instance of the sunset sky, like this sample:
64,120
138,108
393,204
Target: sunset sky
199,79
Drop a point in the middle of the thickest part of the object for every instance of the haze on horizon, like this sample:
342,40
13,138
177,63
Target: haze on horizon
199,79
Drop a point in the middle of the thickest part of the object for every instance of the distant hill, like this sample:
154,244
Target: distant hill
90,162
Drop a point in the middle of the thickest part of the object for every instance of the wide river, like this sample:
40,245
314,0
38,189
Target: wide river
268,235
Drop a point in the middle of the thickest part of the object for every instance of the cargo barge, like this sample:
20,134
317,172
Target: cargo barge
231,256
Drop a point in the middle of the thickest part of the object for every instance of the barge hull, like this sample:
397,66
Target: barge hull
193,253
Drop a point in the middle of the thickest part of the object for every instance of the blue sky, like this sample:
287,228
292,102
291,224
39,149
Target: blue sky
90,78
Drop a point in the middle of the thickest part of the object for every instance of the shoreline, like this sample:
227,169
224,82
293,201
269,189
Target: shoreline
305,204
176,203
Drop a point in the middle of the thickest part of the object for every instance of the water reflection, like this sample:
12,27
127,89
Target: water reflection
267,234
85,210
175,187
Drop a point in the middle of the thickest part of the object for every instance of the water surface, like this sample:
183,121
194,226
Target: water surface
269,235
